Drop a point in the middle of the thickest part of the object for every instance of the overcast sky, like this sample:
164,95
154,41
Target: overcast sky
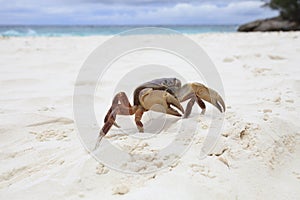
122,12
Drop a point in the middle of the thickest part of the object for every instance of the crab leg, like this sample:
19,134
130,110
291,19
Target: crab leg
124,108
138,116
189,107
119,110
123,100
198,92
202,105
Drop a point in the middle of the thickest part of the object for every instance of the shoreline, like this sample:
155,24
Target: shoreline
186,34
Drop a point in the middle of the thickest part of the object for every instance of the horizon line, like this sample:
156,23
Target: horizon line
145,25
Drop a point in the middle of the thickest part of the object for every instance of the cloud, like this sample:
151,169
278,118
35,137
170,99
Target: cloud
160,2
132,12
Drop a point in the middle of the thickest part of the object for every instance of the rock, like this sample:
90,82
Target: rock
271,24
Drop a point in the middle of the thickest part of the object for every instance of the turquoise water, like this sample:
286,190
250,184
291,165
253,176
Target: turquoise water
21,31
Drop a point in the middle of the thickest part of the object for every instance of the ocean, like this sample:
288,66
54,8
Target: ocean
91,30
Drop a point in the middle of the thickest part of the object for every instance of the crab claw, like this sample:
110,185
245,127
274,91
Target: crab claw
172,102
208,95
150,98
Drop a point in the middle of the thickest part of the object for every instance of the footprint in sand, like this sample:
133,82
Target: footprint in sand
61,120
274,57
202,170
120,190
277,153
260,71
289,101
228,60
277,100
48,135
46,108
267,110
297,175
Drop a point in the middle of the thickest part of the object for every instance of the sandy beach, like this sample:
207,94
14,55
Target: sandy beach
257,155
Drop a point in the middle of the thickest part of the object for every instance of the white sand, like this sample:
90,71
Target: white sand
41,156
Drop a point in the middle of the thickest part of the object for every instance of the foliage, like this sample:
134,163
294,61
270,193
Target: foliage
289,9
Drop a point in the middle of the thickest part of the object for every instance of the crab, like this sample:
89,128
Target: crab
165,92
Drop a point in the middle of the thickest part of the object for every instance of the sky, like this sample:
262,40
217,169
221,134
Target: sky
131,12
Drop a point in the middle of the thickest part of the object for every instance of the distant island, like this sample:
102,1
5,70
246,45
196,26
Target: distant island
288,20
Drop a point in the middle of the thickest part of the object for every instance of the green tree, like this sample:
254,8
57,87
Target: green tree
289,9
